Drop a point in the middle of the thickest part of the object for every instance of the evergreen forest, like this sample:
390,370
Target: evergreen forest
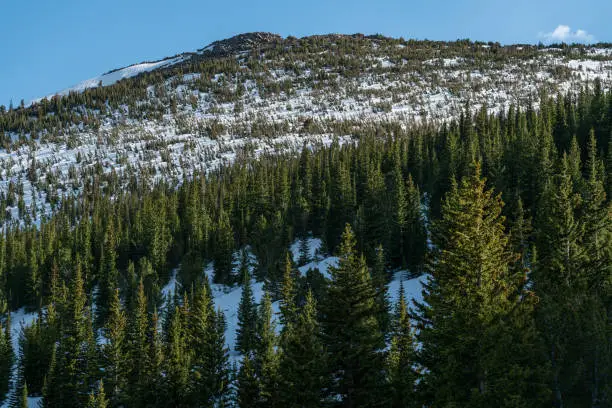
505,217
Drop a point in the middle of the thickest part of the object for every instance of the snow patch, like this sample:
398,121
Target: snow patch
19,319
115,76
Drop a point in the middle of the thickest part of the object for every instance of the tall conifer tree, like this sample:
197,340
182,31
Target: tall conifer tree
479,340
115,351
303,360
247,318
351,331
401,358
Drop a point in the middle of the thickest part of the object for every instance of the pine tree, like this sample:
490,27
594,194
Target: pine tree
376,217
401,358
266,358
224,249
98,400
400,216
35,353
177,363
351,331
107,275
34,280
153,386
115,351
247,384
247,318
597,215
288,298
303,360
137,349
380,279
559,278
51,392
20,390
92,358
608,166
570,277
304,252
343,204
201,327
6,358
476,322
415,234
574,162
21,396
218,363
520,233
69,375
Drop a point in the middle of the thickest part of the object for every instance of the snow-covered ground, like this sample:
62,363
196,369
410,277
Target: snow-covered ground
227,298
316,260
169,289
19,318
34,402
413,287
115,76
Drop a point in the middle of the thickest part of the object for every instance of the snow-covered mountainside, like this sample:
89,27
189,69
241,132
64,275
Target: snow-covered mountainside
115,76
258,93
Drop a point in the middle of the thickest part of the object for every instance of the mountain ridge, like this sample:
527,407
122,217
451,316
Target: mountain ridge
246,41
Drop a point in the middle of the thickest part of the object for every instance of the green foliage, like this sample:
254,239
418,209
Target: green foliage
19,397
303,360
499,326
266,357
248,386
6,358
478,333
68,380
36,343
288,296
177,362
209,369
352,334
136,349
402,358
114,351
247,318
98,399
224,248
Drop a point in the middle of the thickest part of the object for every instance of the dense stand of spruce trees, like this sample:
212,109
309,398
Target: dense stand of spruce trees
517,308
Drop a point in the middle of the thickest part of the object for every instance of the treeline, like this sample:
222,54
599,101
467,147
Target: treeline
516,313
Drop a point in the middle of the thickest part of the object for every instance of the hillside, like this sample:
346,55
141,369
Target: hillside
331,221
258,93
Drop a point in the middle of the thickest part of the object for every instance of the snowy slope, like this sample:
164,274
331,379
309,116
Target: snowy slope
172,143
19,319
315,257
116,75
413,288
227,298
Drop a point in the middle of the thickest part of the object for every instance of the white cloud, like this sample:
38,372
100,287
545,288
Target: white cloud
563,33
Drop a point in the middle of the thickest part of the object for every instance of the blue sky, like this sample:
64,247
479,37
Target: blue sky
47,45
